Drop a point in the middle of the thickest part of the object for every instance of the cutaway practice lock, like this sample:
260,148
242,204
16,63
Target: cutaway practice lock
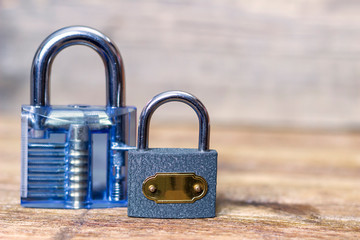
172,182
75,156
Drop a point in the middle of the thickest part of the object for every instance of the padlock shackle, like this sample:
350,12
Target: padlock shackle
171,96
77,35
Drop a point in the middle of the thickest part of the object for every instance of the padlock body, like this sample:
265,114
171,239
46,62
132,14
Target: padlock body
146,163
75,156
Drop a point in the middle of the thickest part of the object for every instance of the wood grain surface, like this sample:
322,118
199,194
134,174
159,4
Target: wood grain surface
271,184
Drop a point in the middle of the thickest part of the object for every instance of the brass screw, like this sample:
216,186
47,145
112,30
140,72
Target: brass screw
152,188
197,188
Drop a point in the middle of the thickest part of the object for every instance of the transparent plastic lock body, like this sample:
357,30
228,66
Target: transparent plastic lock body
75,156
78,158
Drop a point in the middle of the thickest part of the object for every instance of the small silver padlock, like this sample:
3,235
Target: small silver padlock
75,156
172,182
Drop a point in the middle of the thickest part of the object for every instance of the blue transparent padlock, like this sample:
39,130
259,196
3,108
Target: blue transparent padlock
75,156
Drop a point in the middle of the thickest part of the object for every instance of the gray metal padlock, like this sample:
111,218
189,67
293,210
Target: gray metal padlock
172,182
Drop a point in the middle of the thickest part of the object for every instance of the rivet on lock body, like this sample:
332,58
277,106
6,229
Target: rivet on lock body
75,156
172,182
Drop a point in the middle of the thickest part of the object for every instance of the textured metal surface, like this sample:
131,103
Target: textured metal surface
77,35
178,96
143,164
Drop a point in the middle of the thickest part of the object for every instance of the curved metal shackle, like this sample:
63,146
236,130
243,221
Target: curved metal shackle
178,96
77,35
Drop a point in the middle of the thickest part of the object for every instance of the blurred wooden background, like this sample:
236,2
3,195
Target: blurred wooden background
264,63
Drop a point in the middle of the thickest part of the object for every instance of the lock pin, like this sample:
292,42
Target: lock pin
78,162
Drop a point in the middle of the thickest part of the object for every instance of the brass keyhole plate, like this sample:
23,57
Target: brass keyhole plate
174,187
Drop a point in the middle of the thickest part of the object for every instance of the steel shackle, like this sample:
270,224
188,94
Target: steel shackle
177,96
77,35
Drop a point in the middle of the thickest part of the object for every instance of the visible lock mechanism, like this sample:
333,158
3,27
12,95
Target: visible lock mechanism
75,156
174,187
172,182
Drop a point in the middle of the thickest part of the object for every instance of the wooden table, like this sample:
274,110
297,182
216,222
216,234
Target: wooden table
271,184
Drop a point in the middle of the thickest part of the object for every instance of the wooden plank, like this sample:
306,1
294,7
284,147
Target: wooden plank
271,184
